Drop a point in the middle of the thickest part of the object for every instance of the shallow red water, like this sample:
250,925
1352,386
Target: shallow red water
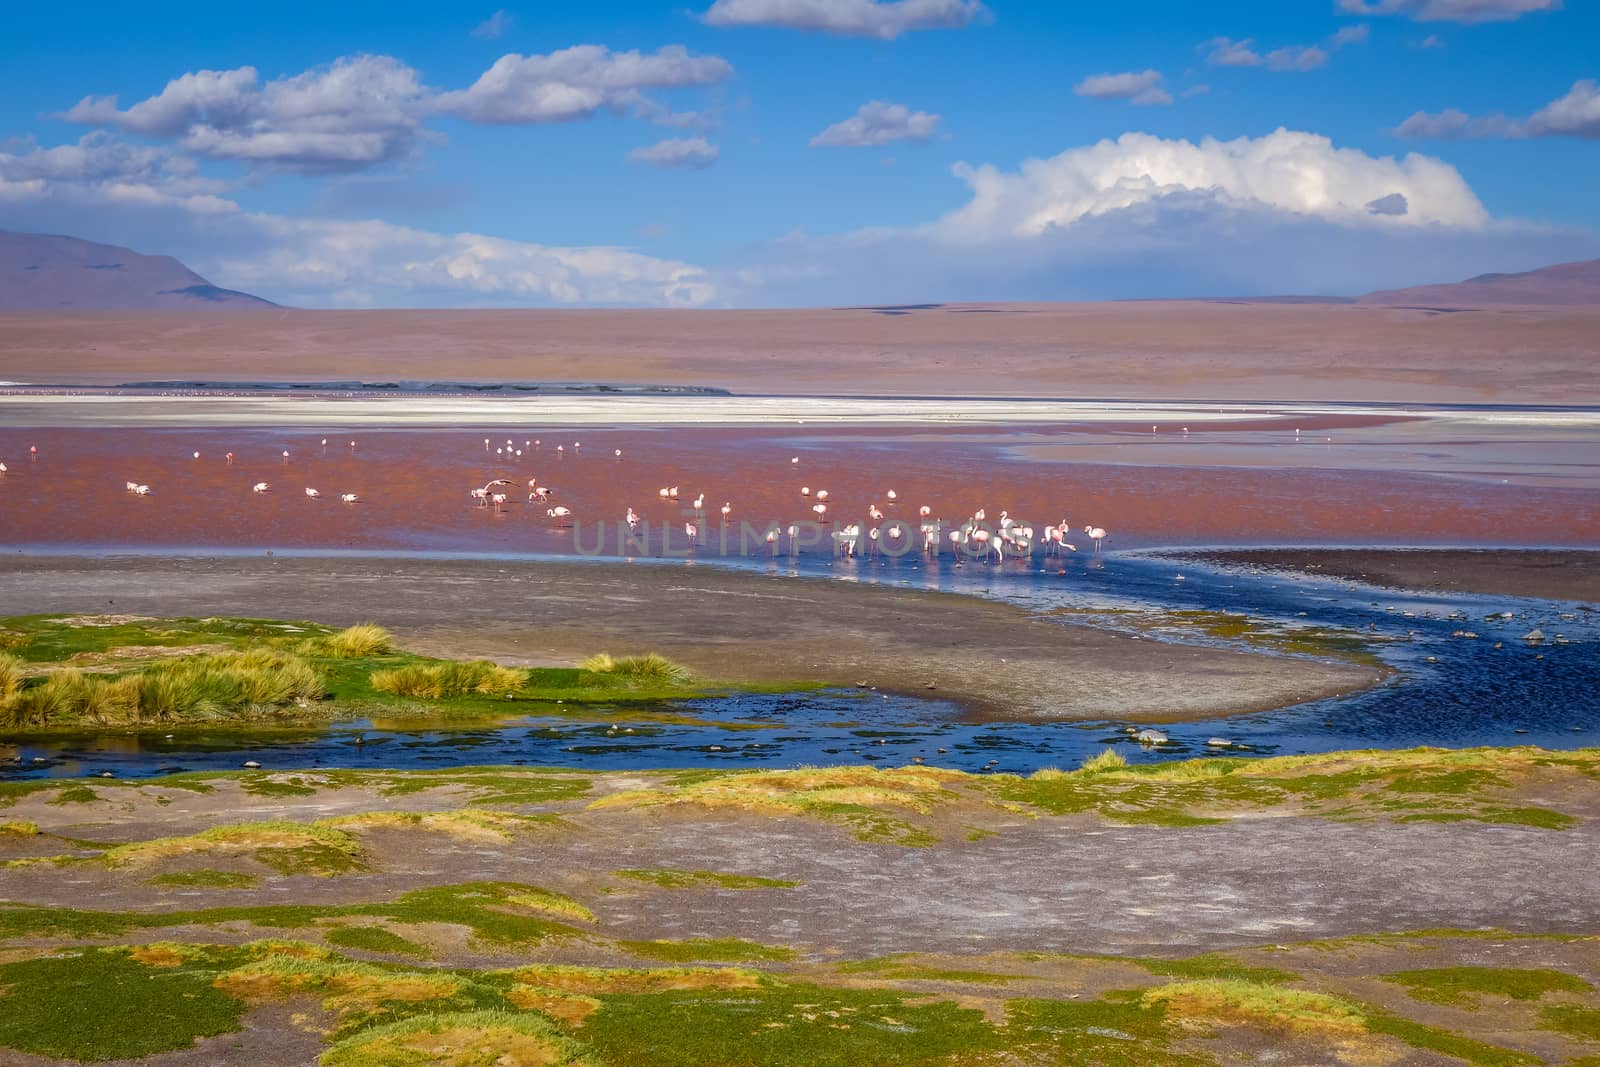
414,491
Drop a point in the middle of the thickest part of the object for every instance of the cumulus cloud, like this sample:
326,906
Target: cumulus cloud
1347,35
878,122
494,26
1450,10
578,82
357,112
1141,216
678,152
1138,87
884,19
103,167
1300,174
1576,114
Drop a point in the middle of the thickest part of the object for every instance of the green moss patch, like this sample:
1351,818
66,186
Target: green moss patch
100,1004
676,879
1461,985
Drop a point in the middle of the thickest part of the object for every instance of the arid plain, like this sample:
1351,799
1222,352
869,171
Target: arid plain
1089,801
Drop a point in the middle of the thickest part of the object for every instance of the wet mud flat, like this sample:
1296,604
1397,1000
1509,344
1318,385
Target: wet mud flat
1553,574
1419,907
995,659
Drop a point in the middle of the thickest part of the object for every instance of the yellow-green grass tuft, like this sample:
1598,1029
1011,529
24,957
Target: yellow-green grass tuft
358,642
650,669
435,681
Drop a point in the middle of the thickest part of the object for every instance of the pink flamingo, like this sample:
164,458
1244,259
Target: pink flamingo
692,532
499,502
727,509
260,487
349,498
312,493
1096,534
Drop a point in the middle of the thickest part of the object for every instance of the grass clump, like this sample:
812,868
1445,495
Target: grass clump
1571,1020
205,878
1109,760
1459,985
1258,1004
460,1039
192,688
287,847
650,669
10,677
708,949
436,681
374,939
362,641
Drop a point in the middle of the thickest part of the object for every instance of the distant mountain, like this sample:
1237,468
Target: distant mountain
1564,283
44,272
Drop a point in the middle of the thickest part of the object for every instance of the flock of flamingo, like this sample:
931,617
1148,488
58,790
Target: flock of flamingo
973,537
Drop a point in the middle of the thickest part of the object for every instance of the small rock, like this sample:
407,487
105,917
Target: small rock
1219,742
250,765
1151,737
1533,636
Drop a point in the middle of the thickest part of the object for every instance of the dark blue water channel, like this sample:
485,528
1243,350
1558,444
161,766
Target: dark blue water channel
1448,689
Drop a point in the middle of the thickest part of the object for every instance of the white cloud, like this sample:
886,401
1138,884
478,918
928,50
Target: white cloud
100,166
1575,115
1226,52
1299,174
149,200
1297,58
884,19
1139,87
314,262
494,26
357,112
1450,10
878,122
1146,217
1347,35
577,82
677,152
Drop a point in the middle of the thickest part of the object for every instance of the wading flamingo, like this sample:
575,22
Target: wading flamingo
312,493
1096,534
822,494
692,532
260,487
892,495
349,498
699,502
499,501
727,509
558,512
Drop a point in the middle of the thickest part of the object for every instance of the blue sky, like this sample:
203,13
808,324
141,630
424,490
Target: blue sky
387,182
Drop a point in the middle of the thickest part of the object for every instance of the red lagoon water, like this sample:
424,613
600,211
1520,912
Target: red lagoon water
414,487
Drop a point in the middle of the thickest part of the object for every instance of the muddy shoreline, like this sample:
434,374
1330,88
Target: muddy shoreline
995,659
1553,574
